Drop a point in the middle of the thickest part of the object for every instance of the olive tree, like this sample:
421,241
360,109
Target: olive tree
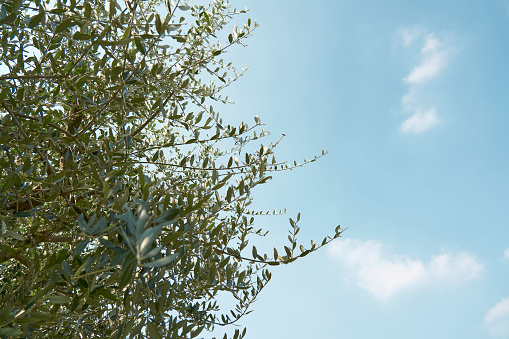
124,197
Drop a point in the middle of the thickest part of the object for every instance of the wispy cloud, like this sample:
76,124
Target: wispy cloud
497,319
433,58
506,254
420,122
409,35
385,275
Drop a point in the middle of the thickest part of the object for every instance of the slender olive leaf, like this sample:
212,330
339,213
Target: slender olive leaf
9,19
81,36
14,235
152,331
168,5
148,237
81,81
152,253
81,246
172,237
159,25
41,315
140,46
59,176
21,214
15,5
106,190
67,268
59,299
87,99
107,244
107,294
197,332
141,222
9,331
162,261
99,226
81,222
23,321
128,267
36,20
64,25
131,223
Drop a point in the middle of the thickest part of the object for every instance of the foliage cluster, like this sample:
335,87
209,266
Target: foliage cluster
123,214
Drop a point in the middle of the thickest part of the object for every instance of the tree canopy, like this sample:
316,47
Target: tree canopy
124,197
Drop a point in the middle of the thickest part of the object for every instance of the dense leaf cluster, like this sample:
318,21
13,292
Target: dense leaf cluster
121,215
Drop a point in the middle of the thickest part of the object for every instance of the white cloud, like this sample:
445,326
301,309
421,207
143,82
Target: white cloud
454,269
420,122
385,275
506,254
428,69
433,57
497,319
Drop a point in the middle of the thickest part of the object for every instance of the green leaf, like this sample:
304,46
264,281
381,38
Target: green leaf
139,45
87,99
64,25
10,331
113,43
159,25
14,235
81,246
67,268
128,267
23,321
107,294
59,176
22,214
152,331
148,238
16,4
59,299
82,80
106,190
108,244
9,19
81,36
36,20
163,261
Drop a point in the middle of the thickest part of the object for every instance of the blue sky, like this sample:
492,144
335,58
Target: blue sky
410,99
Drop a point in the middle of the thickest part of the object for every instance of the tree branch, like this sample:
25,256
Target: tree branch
52,238
23,260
